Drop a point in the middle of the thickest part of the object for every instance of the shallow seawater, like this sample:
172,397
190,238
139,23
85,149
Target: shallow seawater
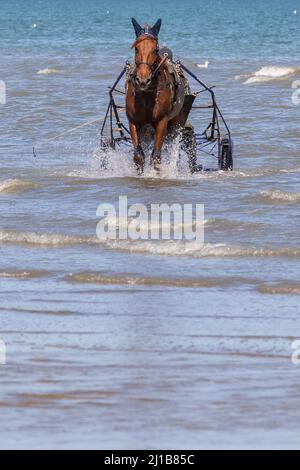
148,344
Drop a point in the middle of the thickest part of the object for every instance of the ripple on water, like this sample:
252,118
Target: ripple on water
102,278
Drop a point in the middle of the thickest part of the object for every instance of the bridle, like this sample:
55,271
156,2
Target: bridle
153,67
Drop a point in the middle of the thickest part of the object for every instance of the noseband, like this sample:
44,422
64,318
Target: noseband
153,67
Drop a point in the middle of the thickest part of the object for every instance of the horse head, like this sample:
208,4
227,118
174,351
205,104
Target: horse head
146,53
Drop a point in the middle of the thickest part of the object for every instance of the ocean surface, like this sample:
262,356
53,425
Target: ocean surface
157,344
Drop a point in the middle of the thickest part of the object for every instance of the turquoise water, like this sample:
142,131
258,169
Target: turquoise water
72,28
125,345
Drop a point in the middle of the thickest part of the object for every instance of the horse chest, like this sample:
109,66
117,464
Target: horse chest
140,107
149,107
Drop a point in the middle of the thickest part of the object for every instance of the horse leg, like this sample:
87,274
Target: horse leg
160,132
138,155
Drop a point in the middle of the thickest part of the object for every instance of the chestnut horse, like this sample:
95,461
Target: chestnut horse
150,94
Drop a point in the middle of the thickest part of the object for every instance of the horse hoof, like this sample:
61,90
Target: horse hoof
155,160
156,165
196,168
139,163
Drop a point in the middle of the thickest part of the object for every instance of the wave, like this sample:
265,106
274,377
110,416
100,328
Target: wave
269,73
281,288
13,185
22,274
44,239
99,278
194,249
166,247
280,196
48,71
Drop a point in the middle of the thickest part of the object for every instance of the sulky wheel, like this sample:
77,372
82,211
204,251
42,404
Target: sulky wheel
189,145
225,154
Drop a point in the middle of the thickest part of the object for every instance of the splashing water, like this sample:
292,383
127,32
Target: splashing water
119,162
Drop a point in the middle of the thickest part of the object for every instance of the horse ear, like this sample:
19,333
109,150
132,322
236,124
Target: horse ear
155,29
137,27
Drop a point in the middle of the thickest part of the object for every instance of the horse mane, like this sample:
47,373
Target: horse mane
142,38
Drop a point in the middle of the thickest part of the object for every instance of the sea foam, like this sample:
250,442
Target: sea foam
280,196
269,73
47,71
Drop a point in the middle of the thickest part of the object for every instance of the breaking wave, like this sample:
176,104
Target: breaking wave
269,73
280,196
44,239
194,249
22,274
13,185
281,288
166,247
48,71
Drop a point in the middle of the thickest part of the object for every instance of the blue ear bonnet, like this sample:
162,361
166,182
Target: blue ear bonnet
147,29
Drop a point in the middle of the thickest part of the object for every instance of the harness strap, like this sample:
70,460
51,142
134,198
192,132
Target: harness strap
161,63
